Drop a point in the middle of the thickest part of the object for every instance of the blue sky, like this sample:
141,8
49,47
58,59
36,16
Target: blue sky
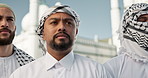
94,15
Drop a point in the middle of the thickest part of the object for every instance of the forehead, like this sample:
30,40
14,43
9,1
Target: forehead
6,12
61,15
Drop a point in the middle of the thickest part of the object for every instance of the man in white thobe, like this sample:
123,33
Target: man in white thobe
59,28
132,61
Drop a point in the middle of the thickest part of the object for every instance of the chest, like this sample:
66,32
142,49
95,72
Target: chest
133,70
7,66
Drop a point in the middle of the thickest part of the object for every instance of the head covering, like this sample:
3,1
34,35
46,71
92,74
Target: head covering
6,6
53,10
133,35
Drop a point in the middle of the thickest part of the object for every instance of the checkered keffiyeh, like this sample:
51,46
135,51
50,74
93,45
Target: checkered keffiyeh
133,34
132,29
22,57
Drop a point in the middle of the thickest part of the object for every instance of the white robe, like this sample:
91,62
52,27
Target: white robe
132,62
8,65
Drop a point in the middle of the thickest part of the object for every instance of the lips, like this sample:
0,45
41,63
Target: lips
5,31
61,35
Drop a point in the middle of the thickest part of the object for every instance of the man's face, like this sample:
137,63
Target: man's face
7,26
60,31
143,18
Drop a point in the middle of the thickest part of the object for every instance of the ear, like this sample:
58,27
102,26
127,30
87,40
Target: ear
76,34
15,28
76,31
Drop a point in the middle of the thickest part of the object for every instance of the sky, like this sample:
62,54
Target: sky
94,15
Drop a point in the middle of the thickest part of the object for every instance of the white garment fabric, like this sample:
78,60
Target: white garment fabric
8,65
71,66
123,66
133,50
130,63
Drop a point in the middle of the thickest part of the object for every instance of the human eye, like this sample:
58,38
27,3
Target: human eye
142,19
53,23
10,19
69,23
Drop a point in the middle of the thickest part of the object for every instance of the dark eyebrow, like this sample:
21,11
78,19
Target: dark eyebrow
71,19
11,17
53,19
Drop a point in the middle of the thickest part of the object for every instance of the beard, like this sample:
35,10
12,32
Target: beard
9,39
61,46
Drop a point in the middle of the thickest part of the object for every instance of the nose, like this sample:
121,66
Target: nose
62,27
4,23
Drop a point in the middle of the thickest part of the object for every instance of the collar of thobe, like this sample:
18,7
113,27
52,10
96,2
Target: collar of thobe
66,61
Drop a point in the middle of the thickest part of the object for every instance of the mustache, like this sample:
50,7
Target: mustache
5,29
62,33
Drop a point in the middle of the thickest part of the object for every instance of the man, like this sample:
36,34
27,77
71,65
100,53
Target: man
59,28
10,57
132,61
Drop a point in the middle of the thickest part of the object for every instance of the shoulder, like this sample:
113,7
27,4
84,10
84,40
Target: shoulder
118,60
29,69
86,61
83,58
34,64
90,65
114,65
22,57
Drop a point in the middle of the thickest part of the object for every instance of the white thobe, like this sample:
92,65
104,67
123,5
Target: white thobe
71,66
132,62
8,65
123,66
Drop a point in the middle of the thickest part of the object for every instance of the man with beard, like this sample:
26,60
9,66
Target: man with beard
10,57
59,28
132,61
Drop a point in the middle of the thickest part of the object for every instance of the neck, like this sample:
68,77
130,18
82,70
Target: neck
58,55
6,50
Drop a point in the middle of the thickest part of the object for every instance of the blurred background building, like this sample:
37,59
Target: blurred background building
99,50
